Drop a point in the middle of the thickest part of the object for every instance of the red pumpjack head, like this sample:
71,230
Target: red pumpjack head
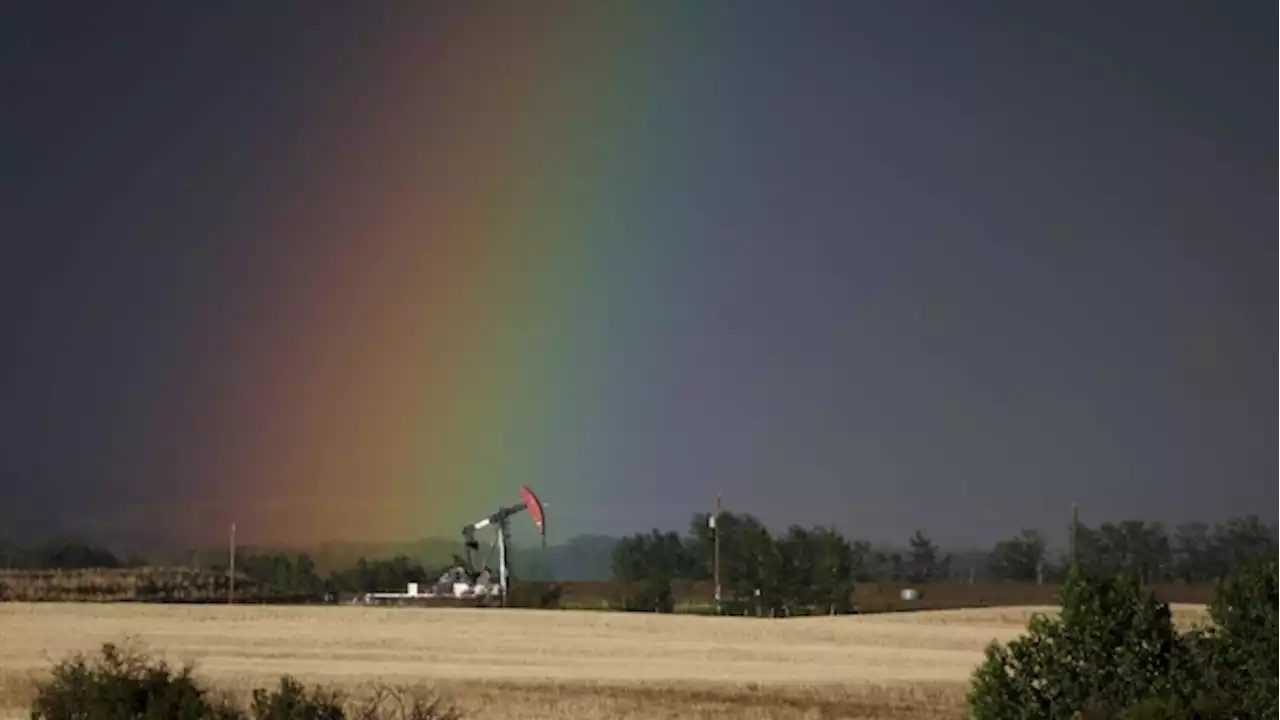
534,505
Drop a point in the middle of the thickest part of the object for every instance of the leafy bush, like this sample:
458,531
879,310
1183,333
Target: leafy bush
122,684
1237,664
1111,648
1115,654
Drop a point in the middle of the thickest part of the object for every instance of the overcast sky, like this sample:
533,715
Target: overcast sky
980,260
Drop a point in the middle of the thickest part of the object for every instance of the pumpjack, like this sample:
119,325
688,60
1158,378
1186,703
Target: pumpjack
499,521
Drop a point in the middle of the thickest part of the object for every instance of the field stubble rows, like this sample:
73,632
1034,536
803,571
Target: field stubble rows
547,664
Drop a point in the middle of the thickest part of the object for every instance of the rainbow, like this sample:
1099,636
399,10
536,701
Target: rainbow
416,316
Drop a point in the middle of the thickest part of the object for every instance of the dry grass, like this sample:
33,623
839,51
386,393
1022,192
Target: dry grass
546,664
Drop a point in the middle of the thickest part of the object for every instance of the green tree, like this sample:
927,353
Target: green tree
1240,541
749,558
1193,553
646,564
804,569
887,565
628,559
1133,546
862,558
296,575
925,565
796,569
750,565
1091,552
1019,559
656,553
833,569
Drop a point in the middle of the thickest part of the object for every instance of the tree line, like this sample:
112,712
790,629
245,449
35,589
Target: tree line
62,554
1193,552
294,574
814,569
297,574
799,570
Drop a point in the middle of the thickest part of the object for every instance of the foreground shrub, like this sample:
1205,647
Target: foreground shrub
291,701
1114,654
1237,658
122,684
1111,648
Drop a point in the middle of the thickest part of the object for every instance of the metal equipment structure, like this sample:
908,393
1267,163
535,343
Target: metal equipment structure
480,578
465,581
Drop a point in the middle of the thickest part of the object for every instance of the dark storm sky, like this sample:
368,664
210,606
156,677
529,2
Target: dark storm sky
1032,265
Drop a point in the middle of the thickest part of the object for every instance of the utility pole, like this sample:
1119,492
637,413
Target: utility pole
231,568
715,535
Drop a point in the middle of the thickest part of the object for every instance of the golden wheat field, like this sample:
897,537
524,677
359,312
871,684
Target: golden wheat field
508,664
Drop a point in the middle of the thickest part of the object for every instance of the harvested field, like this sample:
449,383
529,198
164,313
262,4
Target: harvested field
559,664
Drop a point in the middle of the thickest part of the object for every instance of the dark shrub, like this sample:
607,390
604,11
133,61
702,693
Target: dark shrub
125,685
291,701
1114,654
653,594
535,595
1112,648
1244,611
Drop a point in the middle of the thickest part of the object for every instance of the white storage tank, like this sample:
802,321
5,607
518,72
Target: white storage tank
413,589
910,594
